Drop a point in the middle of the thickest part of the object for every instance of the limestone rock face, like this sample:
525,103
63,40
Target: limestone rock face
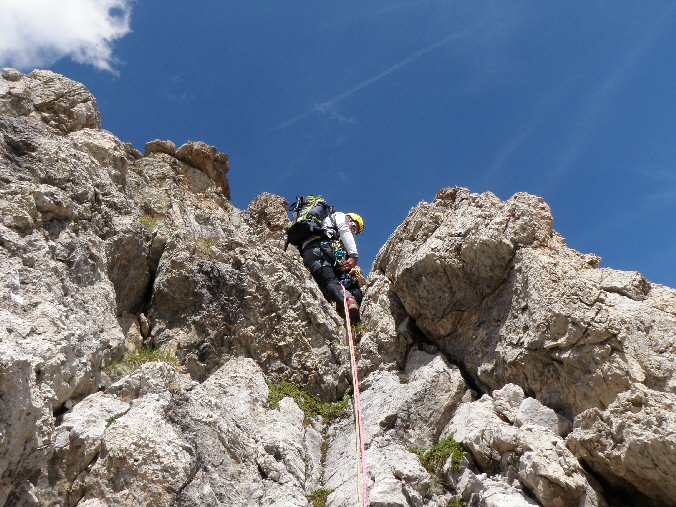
489,492
208,160
556,376
533,452
634,439
246,301
389,331
46,97
399,413
58,322
494,287
269,213
103,250
158,146
158,438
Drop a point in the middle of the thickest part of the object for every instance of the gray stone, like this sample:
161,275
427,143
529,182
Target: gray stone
269,215
11,74
484,491
632,441
208,160
397,416
103,251
49,99
492,285
508,400
534,453
388,331
159,146
532,412
77,444
157,438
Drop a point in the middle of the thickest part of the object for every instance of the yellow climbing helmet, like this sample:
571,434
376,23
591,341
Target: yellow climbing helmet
357,219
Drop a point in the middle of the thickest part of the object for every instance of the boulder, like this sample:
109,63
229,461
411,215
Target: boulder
400,411
268,214
50,99
208,160
533,453
632,442
159,146
388,332
484,491
158,438
494,287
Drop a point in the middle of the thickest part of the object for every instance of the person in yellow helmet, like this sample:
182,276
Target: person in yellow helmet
332,257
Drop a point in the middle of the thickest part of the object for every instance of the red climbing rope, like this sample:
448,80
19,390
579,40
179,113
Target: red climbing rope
362,484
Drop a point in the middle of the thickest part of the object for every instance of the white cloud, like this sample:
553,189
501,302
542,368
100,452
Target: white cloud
36,33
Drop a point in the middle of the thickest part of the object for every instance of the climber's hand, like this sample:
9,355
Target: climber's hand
349,264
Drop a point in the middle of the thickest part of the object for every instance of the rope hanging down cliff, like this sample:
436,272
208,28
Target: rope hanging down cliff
362,483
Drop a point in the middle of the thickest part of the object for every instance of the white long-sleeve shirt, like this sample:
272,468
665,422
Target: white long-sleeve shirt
344,232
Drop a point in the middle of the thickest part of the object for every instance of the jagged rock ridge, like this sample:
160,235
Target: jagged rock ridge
557,376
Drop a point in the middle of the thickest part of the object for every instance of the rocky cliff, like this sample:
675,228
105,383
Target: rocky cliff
480,326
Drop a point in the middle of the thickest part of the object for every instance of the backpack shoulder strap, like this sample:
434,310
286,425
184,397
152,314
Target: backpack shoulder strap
334,226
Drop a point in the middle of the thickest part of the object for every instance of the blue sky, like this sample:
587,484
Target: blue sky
377,105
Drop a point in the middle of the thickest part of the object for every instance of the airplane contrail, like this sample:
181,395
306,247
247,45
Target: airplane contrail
325,106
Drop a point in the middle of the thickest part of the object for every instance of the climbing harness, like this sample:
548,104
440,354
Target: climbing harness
339,252
362,483
353,279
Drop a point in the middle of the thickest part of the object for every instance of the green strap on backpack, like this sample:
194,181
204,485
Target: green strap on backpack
309,214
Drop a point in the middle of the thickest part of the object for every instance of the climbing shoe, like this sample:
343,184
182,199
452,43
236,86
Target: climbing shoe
353,308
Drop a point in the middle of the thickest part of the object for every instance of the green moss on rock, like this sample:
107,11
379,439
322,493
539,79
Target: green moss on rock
435,458
134,360
309,404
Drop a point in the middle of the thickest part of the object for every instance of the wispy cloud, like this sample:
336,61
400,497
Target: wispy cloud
505,153
663,175
327,107
369,11
596,104
664,184
663,198
37,33
336,116
543,109
174,89
634,218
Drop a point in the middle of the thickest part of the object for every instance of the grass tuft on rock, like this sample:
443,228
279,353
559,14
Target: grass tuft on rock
149,221
359,329
456,502
319,497
135,359
114,418
309,404
435,458
203,247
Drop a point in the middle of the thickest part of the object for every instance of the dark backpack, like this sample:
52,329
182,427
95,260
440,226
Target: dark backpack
309,214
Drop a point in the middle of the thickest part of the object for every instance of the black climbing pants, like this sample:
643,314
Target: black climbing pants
319,258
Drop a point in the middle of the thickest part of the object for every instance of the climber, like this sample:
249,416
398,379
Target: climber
333,262
329,251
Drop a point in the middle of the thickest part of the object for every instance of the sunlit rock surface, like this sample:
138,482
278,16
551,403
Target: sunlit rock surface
556,376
